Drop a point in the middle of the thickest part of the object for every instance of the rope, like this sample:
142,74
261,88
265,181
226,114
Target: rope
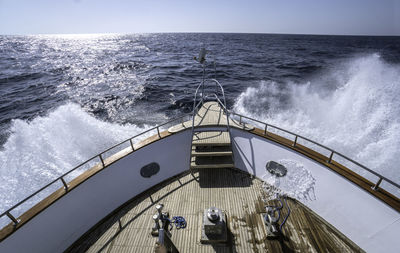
179,222
275,208
283,223
278,210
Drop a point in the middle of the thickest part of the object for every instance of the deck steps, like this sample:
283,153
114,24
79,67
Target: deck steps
211,149
212,162
211,166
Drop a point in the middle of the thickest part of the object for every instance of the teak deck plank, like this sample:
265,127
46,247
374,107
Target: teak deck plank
209,115
211,138
237,194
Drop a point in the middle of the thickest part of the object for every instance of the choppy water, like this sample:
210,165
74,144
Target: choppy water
65,98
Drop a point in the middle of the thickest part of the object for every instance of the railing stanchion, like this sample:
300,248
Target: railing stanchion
130,140
64,183
102,161
265,129
12,218
240,120
330,157
158,132
295,141
376,186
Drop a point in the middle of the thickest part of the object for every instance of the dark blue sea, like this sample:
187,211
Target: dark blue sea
64,98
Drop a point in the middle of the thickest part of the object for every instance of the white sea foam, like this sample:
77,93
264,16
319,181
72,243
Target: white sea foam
298,182
38,151
358,114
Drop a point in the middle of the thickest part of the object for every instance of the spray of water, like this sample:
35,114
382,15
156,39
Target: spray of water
38,151
298,183
357,114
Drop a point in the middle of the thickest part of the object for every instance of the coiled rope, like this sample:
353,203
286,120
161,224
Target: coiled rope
179,222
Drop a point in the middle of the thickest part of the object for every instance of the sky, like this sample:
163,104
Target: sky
344,17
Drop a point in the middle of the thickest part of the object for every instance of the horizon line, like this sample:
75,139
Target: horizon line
266,33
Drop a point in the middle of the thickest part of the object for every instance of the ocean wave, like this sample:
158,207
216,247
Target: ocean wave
21,78
122,66
38,151
358,117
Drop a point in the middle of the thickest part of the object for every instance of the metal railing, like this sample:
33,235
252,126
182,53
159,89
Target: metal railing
332,152
214,95
297,137
99,156
201,102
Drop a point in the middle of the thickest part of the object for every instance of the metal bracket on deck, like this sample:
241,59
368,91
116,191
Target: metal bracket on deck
162,231
214,229
160,217
271,221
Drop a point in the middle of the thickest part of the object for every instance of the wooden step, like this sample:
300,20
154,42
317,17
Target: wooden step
211,151
211,166
225,153
211,148
211,138
211,162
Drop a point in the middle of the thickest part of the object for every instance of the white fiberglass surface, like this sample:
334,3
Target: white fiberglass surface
356,213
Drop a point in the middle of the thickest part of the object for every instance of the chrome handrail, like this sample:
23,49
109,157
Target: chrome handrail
196,105
333,152
201,102
61,178
100,156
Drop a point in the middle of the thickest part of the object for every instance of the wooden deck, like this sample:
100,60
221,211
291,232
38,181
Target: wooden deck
215,138
235,192
210,115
